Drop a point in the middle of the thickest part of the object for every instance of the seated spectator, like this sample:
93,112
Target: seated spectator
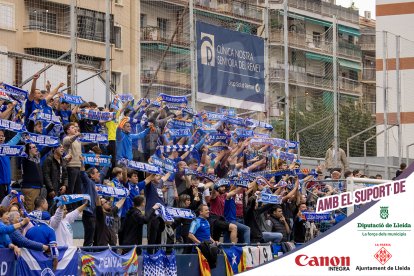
278,223
200,227
5,230
20,240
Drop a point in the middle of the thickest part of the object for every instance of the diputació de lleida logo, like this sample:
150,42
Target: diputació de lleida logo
384,212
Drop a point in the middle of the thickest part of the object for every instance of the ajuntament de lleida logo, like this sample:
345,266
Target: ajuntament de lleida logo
384,212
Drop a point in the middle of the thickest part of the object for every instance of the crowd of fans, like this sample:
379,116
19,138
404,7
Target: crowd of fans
30,217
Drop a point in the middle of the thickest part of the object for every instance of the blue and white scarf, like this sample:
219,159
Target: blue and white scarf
244,133
68,199
97,115
317,216
44,140
94,138
173,99
107,191
126,97
244,183
4,96
235,121
217,137
188,110
169,213
174,124
269,141
6,150
284,155
45,117
269,198
97,160
293,145
210,177
172,148
139,166
228,112
213,116
255,123
13,126
166,164
261,135
217,148
71,99
222,182
180,132
16,93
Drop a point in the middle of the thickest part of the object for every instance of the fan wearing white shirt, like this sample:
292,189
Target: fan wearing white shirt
61,223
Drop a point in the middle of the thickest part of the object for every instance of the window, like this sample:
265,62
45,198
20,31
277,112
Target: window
7,16
42,20
119,2
143,20
117,36
353,75
162,26
317,39
91,25
115,81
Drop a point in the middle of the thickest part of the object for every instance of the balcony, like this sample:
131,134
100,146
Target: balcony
345,85
307,43
167,77
369,75
61,43
240,10
155,34
323,8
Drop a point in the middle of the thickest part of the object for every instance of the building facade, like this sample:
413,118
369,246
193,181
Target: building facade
37,32
395,18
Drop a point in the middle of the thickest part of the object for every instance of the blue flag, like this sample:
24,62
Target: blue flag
235,260
37,263
109,263
7,262
159,264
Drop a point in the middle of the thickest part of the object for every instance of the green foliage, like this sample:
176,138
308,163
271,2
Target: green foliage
316,140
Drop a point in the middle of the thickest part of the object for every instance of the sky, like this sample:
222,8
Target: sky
362,5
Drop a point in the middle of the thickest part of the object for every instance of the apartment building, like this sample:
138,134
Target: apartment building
310,51
34,32
368,74
395,18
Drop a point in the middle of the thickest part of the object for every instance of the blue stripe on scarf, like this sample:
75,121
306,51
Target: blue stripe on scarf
169,213
217,137
107,191
13,126
166,164
217,148
210,177
126,97
68,199
97,115
173,124
175,148
97,160
94,138
317,217
173,99
6,150
44,117
180,132
72,99
44,140
16,93
139,166
269,198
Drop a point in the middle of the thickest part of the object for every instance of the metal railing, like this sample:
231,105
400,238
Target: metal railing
350,86
306,42
238,9
369,74
323,8
151,33
167,77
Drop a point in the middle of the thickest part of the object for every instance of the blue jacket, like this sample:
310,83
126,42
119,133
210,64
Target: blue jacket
89,187
5,230
23,242
5,169
124,143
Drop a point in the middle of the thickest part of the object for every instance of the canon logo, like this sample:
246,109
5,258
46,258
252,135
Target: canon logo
303,260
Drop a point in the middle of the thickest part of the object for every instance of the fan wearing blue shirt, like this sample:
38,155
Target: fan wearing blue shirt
200,228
